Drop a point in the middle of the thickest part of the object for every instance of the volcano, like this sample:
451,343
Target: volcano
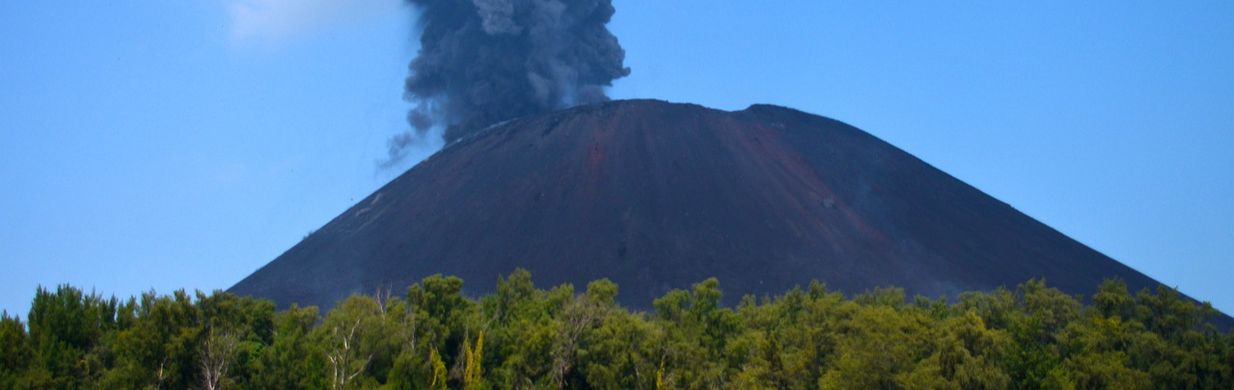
656,196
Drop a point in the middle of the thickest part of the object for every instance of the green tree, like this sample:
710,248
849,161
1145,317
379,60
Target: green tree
65,327
158,348
356,337
875,345
522,336
292,360
15,351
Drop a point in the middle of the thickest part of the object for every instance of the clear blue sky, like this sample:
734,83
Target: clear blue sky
168,144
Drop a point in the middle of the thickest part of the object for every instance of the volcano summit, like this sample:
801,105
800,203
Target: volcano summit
656,196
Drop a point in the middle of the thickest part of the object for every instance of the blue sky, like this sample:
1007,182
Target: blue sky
156,144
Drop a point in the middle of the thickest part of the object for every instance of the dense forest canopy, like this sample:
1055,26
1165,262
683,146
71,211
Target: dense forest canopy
431,336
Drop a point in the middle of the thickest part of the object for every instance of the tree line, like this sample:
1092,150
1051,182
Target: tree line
432,336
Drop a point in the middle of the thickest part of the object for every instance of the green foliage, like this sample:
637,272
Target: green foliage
15,351
291,361
524,336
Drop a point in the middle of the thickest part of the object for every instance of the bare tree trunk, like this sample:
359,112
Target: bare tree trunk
215,354
577,319
341,359
160,375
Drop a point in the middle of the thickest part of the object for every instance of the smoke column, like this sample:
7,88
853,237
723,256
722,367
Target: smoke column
486,61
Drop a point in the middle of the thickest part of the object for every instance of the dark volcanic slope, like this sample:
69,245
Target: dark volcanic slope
657,196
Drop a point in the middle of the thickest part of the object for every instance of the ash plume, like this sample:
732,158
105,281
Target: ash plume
486,61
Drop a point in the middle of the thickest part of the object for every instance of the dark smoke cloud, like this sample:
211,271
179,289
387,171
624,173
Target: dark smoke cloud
486,61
